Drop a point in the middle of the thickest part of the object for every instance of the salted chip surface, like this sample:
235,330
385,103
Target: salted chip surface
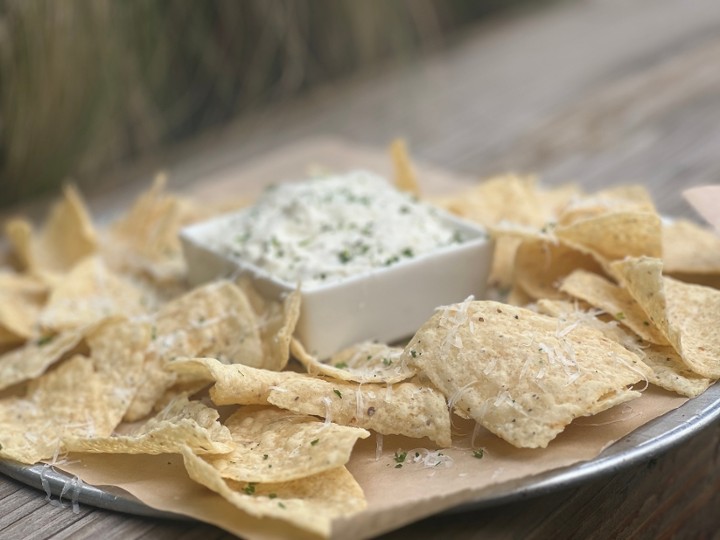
519,375
213,320
273,445
671,373
688,315
235,384
541,265
311,503
89,293
117,349
364,362
66,238
32,359
407,408
181,424
668,369
612,236
615,301
71,400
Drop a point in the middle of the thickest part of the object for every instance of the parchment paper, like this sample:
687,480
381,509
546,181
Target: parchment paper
395,496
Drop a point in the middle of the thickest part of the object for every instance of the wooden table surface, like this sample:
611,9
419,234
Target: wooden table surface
598,92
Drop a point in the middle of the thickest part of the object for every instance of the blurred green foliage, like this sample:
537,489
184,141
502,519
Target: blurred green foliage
85,84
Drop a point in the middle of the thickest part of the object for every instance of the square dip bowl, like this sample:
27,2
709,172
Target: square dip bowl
385,303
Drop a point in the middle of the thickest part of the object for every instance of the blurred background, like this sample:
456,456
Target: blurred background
88,85
105,93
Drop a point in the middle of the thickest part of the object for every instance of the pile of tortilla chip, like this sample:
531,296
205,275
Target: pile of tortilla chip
613,295
105,349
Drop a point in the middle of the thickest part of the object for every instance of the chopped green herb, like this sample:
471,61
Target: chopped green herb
619,315
337,393
250,488
398,466
413,353
265,456
272,495
313,443
478,453
341,365
45,340
407,252
399,457
387,362
344,256
646,323
281,505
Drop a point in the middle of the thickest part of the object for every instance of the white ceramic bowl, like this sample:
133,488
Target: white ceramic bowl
386,304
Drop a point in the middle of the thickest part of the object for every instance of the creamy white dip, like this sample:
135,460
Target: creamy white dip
323,230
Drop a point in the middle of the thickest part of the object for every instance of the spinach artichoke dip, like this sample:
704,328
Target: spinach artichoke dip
323,230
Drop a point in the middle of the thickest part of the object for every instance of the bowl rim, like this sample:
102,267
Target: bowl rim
197,234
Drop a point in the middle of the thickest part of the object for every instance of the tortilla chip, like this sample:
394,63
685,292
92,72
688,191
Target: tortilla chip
618,303
671,373
517,374
558,308
66,238
408,408
503,263
632,198
688,315
518,297
668,370
364,362
405,409
31,360
9,340
213,320
181,424
88,294
21,298
509,198
540,266
67,401
613,236
689,249
310,503
235,384
117,350
405,177
145,240
276,324
272,445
